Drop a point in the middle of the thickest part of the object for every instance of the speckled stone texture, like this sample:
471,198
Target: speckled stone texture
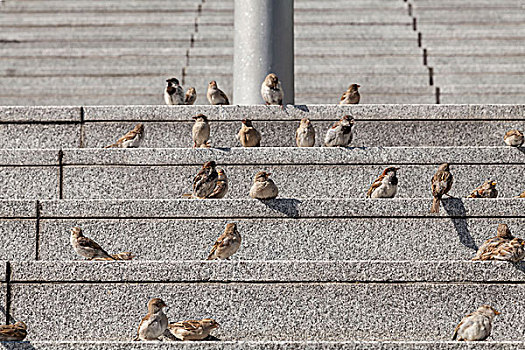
388,239
18,239
252,311
17,209
39,114
29,182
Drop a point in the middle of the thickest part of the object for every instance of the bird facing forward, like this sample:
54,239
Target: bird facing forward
340,134
305,134
385,186
271,90
215,95
486,190
351,95
13,332
205,181
173,94
154,323
477,325
248,135
441,184
86,247
190,97
513,138
263,187
132,139
201,131
227,244
192,329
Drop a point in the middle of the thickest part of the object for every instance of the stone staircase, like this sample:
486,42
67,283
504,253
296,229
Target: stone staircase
320,267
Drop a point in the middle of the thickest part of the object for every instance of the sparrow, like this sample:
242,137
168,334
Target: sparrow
248,135
190,97
13,332
205,181
86,247
513,251
477,325
215,95
340,134
132,139
221,188
305,134
154,323
271,90
201,131
441,184
486,190
522,195
263,187
227,243
193,330
118,256
385,186
487,249
351,95
513,138
173,94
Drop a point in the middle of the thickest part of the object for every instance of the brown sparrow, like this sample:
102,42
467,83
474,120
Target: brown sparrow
132,139
201,131
13,332
441,184
522,195
477,325
271,90
221,188
190,97
513,138
173,94
263,187
205,181
118,256
193,330
154,323
227,244
513,251
215,95
487,249
305,134
486,190
385,186
86,247
351,95
248,135
340,134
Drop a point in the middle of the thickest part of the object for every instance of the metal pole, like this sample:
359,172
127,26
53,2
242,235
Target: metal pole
263,44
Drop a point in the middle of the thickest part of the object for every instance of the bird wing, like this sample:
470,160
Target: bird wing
345,94
10,331
129,136
88,243
190,325
220,187
222,241
466,321
203,180
441,183
375,185
201,175
223,95
477,193
512,133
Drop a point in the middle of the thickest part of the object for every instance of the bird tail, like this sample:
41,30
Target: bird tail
111,146
435,205
455,335
187,195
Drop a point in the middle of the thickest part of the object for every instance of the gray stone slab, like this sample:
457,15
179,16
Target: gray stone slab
281,238
490,98
371,99
39,135
39,114
480,78
17,208
17,240
98,18
28,157
29,182
246,311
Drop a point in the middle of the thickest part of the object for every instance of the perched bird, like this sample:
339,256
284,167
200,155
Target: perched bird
132,139
522,195
351,95
487,250
513,138
441,184
340,134
173,94
305,134
13,332
86,247
227,243
205,181
118,256
215,95
385,186
154,323
248,135
513,251
190,97
193,330
477,325
201,131
263,187
486,190
271,90
221,188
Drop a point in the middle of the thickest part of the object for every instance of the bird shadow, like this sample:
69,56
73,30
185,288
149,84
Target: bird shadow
457,212
520,266
303,108
287,206
521,149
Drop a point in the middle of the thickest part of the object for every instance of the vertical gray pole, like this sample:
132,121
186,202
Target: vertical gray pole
263,44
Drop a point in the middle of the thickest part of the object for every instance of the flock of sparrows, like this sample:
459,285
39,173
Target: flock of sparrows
271,92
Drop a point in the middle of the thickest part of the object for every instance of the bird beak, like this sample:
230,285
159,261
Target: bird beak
268,174
358,86
494,183
497,312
